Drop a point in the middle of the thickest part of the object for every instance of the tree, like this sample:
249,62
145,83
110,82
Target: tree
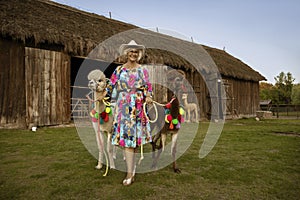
265,90
284,86
296,94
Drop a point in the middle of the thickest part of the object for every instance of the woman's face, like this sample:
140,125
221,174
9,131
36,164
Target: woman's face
133,55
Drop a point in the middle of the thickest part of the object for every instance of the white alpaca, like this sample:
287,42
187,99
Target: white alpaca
189,109
98,84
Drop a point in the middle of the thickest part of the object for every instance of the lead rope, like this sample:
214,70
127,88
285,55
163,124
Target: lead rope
155,108
98,135
145,113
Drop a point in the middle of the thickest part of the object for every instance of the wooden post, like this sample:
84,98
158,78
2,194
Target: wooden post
220,99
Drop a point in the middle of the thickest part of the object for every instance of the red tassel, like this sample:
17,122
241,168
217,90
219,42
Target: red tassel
106,118
168,105
103,115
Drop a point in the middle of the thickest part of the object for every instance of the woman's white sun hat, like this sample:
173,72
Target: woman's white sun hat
124,48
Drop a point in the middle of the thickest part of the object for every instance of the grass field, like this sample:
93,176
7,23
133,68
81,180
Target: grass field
252,160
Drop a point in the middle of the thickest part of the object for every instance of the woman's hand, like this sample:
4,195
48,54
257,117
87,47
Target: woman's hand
149,100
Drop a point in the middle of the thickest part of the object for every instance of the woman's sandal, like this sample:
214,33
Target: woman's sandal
129,181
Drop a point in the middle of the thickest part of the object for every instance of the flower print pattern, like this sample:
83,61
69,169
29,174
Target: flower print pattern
130,126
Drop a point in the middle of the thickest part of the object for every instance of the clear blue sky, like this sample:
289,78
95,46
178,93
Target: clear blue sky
265,34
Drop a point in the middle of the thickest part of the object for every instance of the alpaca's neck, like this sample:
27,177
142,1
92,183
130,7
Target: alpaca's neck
185,101
99,105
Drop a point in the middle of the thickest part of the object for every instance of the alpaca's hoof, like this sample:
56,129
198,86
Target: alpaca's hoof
154,167
98,167
112,167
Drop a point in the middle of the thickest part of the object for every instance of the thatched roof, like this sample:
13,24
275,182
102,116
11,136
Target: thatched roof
231,66
37,22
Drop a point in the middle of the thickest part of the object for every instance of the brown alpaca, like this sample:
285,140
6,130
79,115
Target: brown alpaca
166,128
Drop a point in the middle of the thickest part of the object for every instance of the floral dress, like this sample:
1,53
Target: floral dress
129,88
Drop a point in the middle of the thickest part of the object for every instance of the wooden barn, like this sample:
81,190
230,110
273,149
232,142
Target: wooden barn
43,44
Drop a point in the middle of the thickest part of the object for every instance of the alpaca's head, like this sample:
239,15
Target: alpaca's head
184,96
97,81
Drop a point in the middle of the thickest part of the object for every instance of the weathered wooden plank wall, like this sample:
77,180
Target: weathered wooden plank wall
12,85
157,75
47,87
242,96
200,91
35,91
246,97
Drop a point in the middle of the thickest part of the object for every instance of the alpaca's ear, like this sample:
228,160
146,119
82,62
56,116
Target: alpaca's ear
102,76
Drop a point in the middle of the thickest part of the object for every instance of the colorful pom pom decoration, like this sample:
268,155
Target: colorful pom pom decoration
101,121
106,118
166,119
181,111
175,121
168,105
107,109
169,118
93,111
171,126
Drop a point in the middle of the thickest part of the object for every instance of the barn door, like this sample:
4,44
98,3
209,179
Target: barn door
47,75
12,85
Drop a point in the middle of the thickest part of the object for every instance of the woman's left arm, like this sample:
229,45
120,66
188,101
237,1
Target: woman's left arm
148,86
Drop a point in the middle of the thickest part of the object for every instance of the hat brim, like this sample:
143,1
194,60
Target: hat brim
125,47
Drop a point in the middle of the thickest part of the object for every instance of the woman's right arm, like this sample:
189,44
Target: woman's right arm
112,82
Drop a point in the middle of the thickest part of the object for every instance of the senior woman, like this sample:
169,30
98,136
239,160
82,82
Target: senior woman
131,88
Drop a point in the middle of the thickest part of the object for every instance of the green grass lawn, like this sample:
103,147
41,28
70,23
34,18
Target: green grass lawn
252,160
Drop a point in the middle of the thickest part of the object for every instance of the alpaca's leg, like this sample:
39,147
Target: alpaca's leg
189,113
114,152
196,113
163,140
155,155
173,152
174,143
110,151
99,139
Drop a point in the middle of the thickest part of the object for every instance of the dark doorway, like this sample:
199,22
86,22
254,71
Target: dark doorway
81,67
